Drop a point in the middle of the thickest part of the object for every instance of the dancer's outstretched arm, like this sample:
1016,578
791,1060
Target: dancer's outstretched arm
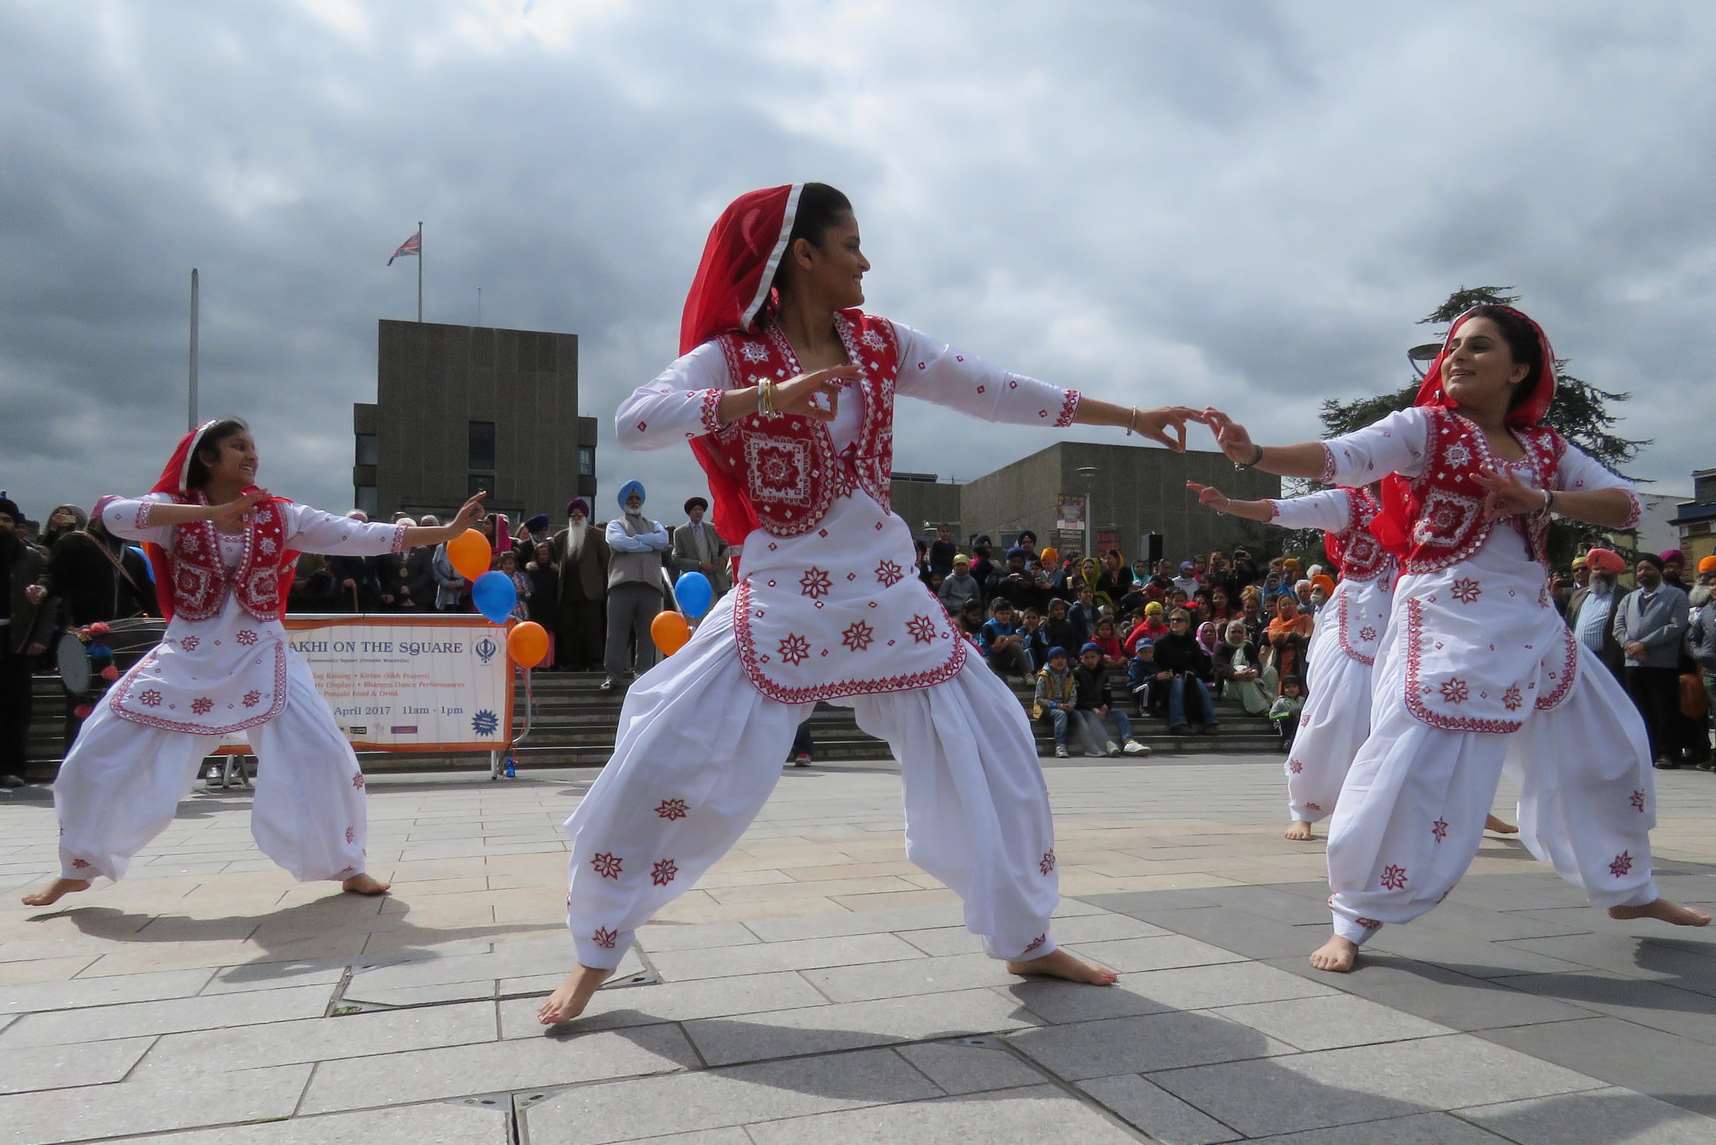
1326,509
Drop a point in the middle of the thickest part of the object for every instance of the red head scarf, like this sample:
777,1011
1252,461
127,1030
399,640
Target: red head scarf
1392,525
175,478
728,293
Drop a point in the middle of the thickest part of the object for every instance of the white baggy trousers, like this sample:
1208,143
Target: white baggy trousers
121,782
699,749
1333,725
1411,813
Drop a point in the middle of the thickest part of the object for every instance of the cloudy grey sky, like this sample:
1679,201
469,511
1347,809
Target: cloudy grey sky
1243,203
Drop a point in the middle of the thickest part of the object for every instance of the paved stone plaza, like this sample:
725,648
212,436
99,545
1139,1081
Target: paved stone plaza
817,988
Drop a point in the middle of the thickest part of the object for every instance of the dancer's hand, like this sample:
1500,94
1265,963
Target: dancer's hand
1506,495
469,516
1211,496
1155,424
232,516
1231,437
798,395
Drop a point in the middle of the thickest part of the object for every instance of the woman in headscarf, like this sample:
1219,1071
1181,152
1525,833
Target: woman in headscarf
785,391
1477,666
64,519
1241,673
223,551
1289,635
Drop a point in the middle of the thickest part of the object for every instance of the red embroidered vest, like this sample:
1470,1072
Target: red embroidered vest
1358,554
1446,505
786,468
201,580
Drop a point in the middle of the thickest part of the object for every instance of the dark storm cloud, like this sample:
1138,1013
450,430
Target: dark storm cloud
1247,204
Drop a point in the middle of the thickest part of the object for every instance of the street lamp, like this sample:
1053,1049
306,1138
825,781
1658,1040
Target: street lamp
1421,356
1088,473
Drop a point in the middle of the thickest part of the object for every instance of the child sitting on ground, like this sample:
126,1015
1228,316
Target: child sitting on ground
1284,712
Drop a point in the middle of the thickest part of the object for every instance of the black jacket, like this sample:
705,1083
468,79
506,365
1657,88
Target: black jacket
1178,652
1092,687
89,583
30,624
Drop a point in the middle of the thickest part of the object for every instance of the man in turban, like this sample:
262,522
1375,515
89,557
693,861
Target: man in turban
635,573
697,547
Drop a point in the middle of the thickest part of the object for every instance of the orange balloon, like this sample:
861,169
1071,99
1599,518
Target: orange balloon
669,631
527,644
469,553
1051,556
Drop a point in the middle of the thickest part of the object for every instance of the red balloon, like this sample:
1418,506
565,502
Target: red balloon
110,673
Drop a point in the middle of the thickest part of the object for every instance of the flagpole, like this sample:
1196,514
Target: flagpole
192,387
419,272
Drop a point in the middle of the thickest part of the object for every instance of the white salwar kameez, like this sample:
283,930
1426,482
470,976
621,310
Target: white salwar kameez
1341,656
1478,672
834,614
210,681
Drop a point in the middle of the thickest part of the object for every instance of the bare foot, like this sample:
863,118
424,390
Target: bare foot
54,891
1336,955
1299,831
1061,964
1499,826
364,885
572,995
1670,912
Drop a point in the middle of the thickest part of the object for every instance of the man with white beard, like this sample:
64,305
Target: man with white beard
581,555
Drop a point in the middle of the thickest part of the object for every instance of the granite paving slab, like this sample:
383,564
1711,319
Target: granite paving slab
148,1106
1675,1069
1140,1045
62,1067
1133,954
1187,988
72,993
1366,1083
1009,1117
760,958
320,1039
821,1029
1156,1112
1598,1117
1417,1129
614,1007
442,1123
1437,994
1641,1000
61,1027
971,1065
1331,1021
717,1098
521,1063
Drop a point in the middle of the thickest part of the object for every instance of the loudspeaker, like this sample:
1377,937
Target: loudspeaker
1153,547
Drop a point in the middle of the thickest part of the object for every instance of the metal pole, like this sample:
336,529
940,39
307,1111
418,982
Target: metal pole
191,422
419,271
479,306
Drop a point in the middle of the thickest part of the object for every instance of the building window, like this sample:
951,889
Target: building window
367,451
586,461
482,446
480,483
369,500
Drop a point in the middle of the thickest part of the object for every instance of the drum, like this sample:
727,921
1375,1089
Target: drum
125,643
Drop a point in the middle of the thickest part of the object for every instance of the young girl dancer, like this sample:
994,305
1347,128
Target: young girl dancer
1476,668
786,394
223,552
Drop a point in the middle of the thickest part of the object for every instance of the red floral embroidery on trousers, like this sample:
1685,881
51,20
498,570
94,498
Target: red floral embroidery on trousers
1621,865
1439,829
605,938
663,872
1035,945
671,809
1638,801
1048,861
1393,877
607,865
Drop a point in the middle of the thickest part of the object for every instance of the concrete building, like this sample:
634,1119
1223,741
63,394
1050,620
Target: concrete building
1695,520
463,408
1132,493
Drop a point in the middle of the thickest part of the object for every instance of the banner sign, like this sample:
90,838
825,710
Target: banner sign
410,682
1069,512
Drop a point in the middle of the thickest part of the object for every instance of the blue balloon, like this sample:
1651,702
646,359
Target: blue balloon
148,566
494,595
695,594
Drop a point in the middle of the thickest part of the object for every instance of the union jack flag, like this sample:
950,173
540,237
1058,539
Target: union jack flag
411,246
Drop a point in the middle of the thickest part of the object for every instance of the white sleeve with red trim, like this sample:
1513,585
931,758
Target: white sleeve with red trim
1396,444
313,531
1327,509
936,372
129,518
680,404
1579,472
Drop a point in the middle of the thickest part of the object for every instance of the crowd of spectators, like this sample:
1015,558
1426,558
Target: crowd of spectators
1104,642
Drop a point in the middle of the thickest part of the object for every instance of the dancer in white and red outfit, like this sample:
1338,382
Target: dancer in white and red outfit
1476,669
1336,717
223,552
786,394
1342,653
